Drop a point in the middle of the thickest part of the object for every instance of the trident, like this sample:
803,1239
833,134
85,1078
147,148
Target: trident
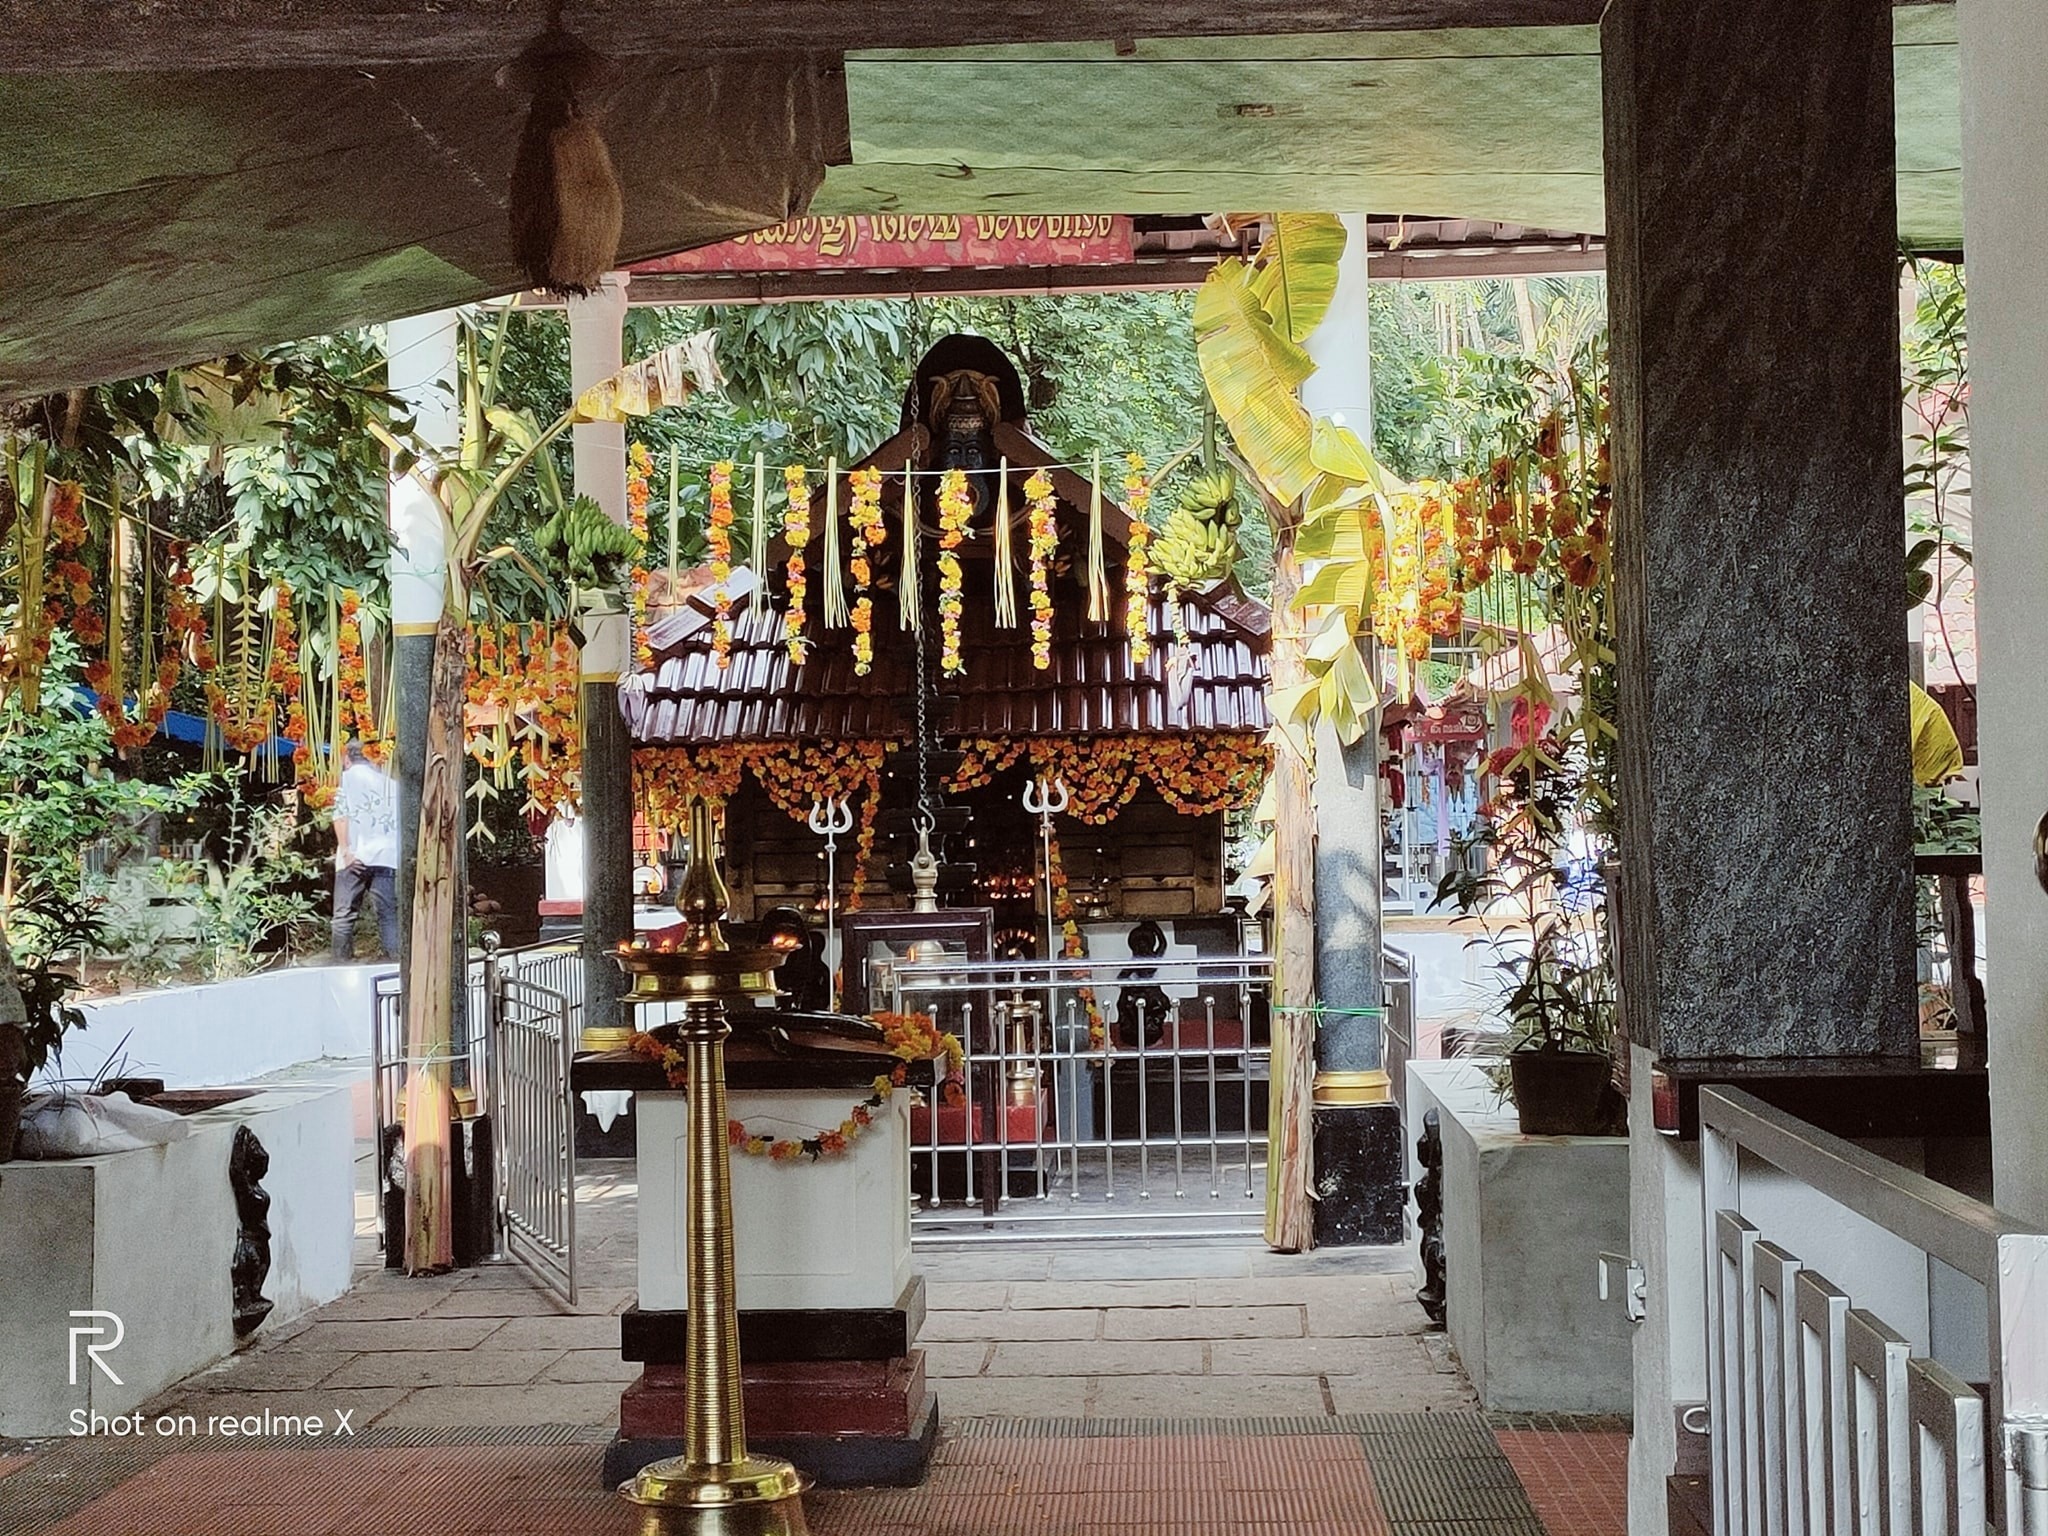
830,817
1045,799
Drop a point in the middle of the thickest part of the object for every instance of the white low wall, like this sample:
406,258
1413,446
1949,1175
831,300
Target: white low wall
149,1235
227,1032
1525,1218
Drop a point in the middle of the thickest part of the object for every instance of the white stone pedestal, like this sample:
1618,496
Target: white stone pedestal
834,1233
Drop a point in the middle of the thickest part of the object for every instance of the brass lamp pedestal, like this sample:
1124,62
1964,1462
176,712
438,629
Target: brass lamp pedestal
715,1488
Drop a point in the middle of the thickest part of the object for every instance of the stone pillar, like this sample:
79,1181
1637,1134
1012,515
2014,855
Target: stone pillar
1766,898
421,370
596,352
1358,1163
2005,178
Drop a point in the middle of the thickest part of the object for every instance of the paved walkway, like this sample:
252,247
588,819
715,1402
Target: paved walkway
1112,1387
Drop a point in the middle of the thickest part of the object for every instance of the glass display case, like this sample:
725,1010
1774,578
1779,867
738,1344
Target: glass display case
876,943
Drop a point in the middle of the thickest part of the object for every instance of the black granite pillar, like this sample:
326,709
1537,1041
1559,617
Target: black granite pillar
607,853
1766,904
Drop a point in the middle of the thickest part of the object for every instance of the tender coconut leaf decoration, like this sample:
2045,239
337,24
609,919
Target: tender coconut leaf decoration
1250,321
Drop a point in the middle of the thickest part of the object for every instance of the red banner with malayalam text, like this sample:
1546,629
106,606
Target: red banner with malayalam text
885,240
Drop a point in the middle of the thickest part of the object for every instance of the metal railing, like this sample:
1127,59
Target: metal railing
1824,1422
554,970
533,1030
1130,1092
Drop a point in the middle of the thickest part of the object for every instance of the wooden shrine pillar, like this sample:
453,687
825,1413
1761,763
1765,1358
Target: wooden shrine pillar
1766,901
596,352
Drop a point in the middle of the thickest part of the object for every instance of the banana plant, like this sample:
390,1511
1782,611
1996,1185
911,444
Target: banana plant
497,447
1251,319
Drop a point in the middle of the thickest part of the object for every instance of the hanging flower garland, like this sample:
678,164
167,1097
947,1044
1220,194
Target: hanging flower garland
1417,600
184,624
956,508
1045,541
864,513
287,683
639,473
68,579
981,759
796,533
1137,573
353,714
524,680
910,1037
718,537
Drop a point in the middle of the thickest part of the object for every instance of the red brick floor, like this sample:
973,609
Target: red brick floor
1578,1481
1369,1475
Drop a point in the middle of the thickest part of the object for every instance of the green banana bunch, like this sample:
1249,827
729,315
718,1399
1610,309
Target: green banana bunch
1199,542
591,549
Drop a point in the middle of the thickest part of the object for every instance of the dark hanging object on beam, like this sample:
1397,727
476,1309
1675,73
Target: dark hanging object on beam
567,209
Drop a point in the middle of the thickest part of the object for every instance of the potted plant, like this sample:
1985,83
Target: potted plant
1545,918
33,1018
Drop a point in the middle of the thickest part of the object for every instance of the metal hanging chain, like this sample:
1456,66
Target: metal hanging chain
924,760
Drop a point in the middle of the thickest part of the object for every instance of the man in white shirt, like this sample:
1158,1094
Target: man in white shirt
365,851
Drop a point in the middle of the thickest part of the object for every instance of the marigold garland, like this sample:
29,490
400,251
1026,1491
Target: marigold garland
353,715
956,508
184,624
1137,573
524,680
1045,540
864,514
639,474
796,533
718,538
910,1037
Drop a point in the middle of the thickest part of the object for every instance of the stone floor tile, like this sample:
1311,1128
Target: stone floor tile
503,1301
593,1365
1147,1261
1268,1290
1202,1323
284,1369
1098,1358
1102,1293
405,1333
969,1296
1392,1259
1311,1357
1205,1396
555,1333
1015,1397
1028,1324
1399,1392
969,1359
549,1403
1366,1317
951,1265
444,1368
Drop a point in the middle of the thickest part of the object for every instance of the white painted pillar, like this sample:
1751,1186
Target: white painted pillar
596,352
1359,1162
2005,215
420,369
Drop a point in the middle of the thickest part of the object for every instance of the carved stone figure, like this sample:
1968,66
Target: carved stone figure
248,1162
1429,1206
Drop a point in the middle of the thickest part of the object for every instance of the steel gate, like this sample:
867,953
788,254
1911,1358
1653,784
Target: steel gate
533,1037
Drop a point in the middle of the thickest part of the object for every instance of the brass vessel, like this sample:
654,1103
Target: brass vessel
716,1487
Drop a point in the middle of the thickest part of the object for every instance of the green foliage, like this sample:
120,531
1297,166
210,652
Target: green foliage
1942,825
59,796
257,903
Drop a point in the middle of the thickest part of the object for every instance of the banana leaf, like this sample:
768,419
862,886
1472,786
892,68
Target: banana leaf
1296,272
1253,372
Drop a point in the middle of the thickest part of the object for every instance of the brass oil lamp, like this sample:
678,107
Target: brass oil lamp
715,1488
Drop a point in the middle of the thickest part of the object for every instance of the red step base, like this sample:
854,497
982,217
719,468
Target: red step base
799,1397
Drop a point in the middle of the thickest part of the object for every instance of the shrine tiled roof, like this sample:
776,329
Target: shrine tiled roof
1092,686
